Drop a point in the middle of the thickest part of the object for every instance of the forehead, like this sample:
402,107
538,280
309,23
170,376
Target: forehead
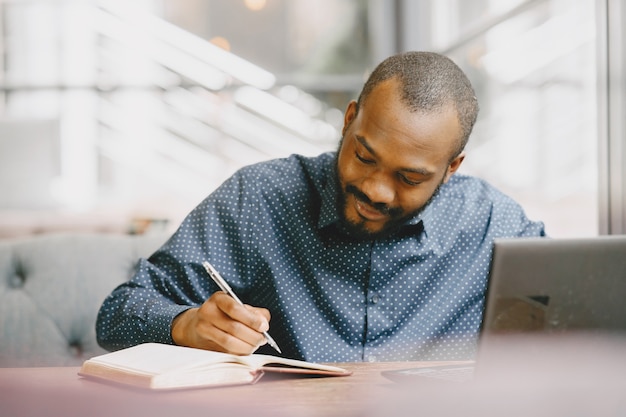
386,122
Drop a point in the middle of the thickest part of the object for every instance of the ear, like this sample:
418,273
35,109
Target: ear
349,116
454,166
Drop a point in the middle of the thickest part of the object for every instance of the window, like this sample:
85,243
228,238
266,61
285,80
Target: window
533,64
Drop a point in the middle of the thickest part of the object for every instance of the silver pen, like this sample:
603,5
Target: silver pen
217,278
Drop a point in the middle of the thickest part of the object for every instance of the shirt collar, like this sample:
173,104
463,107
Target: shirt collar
433,233
329,212
425,217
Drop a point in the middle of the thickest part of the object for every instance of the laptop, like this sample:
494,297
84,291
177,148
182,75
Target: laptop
545,286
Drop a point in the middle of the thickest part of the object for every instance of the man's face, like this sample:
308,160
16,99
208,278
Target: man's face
391,161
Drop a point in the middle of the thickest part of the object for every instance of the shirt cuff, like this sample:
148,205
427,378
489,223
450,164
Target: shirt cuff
160,322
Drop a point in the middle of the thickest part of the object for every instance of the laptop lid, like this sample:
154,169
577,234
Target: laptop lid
556,285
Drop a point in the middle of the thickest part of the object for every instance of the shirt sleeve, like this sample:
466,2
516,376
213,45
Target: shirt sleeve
173,280
513,222
138,312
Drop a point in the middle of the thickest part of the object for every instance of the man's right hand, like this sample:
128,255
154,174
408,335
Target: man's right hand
223,325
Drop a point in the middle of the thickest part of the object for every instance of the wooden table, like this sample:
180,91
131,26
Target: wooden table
61,392
561,376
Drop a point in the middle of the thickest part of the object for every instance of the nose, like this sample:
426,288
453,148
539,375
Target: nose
378,188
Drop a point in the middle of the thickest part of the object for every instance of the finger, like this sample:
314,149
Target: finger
218,326
264,314
234,340
255,318
225,342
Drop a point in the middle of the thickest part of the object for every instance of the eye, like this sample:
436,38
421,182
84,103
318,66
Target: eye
363,159
409,181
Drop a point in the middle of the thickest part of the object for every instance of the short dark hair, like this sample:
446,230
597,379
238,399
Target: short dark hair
429,82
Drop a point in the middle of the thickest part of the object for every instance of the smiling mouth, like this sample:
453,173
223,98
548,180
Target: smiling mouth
368,212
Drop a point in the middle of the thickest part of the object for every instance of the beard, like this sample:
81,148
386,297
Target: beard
358,229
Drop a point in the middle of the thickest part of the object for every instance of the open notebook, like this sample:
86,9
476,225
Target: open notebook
159,366
542,285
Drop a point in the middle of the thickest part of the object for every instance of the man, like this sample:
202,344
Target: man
377,252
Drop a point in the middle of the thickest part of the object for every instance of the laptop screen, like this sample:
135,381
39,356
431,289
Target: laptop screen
556,285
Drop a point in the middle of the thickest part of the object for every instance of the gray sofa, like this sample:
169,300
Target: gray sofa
51,289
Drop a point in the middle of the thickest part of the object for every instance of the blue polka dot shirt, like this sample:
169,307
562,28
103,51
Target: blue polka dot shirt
271,231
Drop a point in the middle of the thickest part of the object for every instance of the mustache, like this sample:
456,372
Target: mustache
380,207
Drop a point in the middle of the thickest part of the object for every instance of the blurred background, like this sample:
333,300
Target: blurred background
121,116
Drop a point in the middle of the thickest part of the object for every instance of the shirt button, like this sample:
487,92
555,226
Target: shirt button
374,299
372,358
